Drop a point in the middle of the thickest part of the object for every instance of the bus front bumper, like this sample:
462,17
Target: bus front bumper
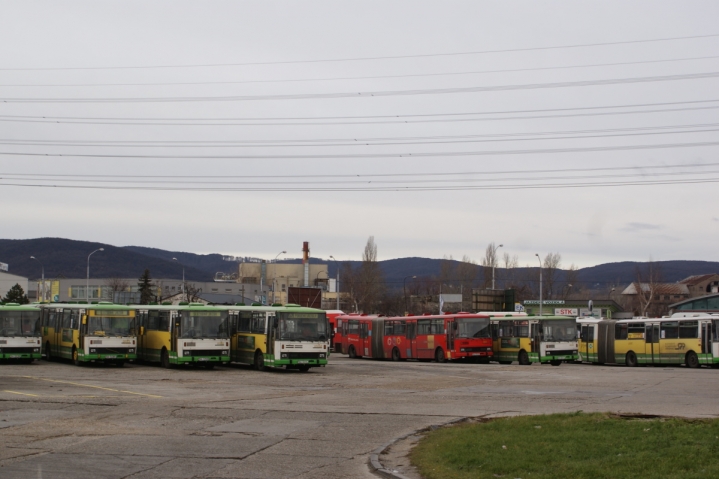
199,359
20,353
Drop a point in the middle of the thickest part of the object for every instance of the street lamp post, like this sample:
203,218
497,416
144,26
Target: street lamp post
404,288
337,281
182,286
43,277
540,283
87,282
494,261
274,276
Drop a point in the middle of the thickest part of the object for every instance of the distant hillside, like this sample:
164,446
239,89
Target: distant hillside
68,258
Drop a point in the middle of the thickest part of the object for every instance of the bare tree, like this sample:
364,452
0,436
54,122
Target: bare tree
489,262
647,285
116,285
550,270
466,273
371,281
349,285
192,293
572,286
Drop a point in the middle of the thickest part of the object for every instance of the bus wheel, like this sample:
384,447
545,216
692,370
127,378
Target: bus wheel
259,363
165,359
352,353
48,355
439,355
75,358
523,358
303,368
395,355
631,360
555,362
692,361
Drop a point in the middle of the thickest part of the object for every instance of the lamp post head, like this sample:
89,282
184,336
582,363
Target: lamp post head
174,259
32,257
284,252
414,277
500,246
101,249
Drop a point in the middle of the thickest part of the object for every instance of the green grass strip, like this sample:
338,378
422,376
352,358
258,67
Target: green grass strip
576,446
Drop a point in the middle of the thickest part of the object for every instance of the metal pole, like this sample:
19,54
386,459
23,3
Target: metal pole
43,277
274,276
337,286
404,288
494,262
87,282
540,283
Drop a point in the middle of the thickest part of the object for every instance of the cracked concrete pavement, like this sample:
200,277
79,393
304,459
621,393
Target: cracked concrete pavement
61,421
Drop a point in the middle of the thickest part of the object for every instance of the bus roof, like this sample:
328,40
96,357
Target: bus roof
101,306
18,307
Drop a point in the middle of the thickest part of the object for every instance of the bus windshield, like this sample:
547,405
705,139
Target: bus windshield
204,325
302,327
109,326
18,323
559,330
473,328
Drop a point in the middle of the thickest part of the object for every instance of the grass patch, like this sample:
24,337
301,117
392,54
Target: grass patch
576,446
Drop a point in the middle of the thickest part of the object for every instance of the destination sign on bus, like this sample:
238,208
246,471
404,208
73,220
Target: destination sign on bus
205,313
303,316
94,312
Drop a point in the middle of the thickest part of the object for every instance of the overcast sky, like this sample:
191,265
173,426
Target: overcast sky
437,127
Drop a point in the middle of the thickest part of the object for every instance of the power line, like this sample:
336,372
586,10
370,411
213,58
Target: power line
302,142
392,57
376,155
372,77
371,94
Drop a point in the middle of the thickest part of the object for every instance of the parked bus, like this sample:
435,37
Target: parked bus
102,332
291,336
535,339
183,334
440,337
20,332
335,329
683,338
588,332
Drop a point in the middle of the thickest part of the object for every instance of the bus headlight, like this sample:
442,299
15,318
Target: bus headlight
36,350
322,355
93,350
187,353
225,353
130,350
283,356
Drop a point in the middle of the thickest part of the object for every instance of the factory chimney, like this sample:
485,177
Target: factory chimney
306,261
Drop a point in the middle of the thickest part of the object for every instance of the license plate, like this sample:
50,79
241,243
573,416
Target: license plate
110,356
303,362
14,356
203,359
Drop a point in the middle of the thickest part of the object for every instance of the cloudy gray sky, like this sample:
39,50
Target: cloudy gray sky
585,128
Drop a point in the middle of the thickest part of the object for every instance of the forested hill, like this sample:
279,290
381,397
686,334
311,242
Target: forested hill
68,258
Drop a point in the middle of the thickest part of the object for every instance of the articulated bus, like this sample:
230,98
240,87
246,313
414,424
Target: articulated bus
683,338
19,332
183,334
535,339
588,331
103,332
291,336
335,329
439,337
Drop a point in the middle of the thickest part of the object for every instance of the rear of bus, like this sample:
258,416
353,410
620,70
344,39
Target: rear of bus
471,337
19,332
334,318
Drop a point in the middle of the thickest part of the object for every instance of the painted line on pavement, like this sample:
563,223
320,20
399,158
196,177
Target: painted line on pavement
91,386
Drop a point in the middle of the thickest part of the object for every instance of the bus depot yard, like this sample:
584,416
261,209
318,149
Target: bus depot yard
141,421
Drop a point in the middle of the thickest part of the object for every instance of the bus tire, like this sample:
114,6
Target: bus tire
395,355
555,362
631,360
692,361
523,358
259,363
164,359
439,355
75,358
303,368
352,353
48,354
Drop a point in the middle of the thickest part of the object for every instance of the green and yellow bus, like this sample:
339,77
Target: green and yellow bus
534,339
102,332
683,338
183,334
588,330
20,332
287,336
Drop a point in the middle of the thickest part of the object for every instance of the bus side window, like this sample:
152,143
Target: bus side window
669,330
438,326
400,328
590,333
423,326
243,325
389,328
688,329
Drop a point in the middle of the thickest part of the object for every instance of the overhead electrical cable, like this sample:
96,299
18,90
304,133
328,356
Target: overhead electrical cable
374,155
371,94
388,57
371,77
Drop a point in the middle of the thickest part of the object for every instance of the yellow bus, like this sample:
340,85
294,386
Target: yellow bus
588,330
19,332
183,334
291,336
534,339
683,338
102,332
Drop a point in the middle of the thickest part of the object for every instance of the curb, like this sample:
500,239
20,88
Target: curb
376,466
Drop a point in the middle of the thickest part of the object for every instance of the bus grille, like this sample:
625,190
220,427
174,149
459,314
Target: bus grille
113,350
306,355
11,350
552,352
205,352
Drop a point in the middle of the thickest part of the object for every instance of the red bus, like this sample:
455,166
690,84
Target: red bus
439,337
335,329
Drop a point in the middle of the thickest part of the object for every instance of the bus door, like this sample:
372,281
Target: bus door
175,332
57,332
364,339
535,338
707,340
411,337
584,337
450,326
271,333
141,318
652,343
